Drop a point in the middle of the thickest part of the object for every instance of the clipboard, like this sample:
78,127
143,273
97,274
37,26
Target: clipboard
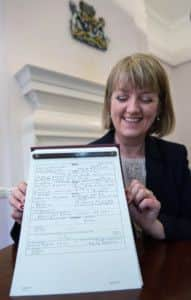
76,234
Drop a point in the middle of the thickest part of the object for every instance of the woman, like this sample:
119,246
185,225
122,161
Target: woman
158,183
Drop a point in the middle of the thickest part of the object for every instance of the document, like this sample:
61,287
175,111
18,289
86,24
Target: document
76,234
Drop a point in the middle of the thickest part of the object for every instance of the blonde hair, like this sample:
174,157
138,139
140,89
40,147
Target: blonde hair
142,71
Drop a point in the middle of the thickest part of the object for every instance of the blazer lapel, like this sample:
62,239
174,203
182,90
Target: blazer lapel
154,166
153,159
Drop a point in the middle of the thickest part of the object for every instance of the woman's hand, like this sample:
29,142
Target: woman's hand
144,209
17,201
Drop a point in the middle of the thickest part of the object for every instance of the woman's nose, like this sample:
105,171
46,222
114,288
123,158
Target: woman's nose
133,104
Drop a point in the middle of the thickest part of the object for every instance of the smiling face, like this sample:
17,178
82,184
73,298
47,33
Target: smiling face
133,112
137,91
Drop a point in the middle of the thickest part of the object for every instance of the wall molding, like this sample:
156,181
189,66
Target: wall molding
65,109
5,193
34,78
169,40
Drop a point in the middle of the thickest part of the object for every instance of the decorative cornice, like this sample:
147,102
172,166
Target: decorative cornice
65,109
33,78
136,10
4,192
45,88
59,124
169,40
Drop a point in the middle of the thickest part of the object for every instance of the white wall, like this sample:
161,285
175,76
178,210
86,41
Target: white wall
4,103
38,33
179,78
5,170
182,99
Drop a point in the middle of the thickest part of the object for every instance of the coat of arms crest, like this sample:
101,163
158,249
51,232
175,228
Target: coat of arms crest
85,27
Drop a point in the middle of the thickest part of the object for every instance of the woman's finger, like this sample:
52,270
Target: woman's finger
142,193
18,195
150,203
16,204
22,187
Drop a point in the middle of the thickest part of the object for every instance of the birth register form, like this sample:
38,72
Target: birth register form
76,232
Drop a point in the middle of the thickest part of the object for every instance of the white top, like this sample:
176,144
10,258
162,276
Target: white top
133,168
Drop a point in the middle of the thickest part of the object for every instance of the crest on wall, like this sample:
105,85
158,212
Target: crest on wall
85,27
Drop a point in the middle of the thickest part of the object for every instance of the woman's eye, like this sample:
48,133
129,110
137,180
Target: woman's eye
146,99
121,98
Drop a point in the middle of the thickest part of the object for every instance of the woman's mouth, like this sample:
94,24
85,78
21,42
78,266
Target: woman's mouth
132,119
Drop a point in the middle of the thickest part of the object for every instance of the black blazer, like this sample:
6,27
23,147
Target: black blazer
169,178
